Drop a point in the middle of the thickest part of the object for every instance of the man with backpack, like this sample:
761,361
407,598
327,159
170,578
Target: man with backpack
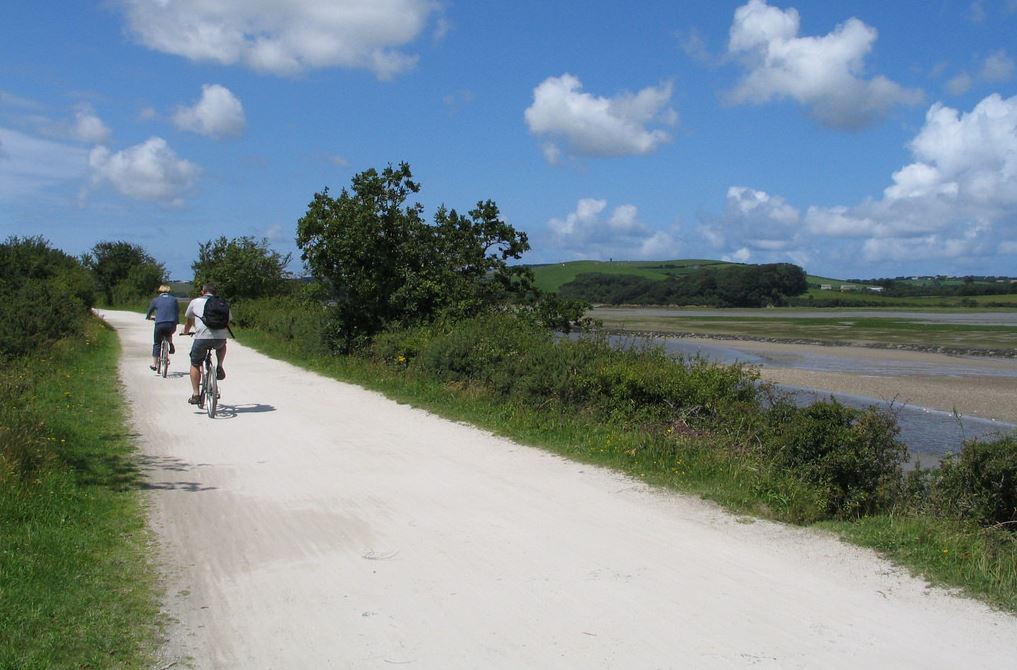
209,316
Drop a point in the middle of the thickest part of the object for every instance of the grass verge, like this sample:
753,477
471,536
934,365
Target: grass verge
76,590
980,562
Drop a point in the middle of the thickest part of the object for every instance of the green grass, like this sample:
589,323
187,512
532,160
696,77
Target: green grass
76,590
982,561
550,277
840,330
978,562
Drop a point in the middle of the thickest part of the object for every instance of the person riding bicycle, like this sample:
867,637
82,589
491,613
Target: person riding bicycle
166,312
205,339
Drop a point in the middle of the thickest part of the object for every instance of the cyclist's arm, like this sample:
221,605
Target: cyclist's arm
188,325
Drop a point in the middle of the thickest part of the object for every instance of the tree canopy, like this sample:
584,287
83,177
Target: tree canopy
382,265
124,271
241,268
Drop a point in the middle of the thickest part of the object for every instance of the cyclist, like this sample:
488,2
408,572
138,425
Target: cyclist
205,338
166,312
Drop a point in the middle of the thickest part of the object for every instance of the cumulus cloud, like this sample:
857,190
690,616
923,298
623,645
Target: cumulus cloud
286,36
824,74
89,128
957,198
148,171
998,67
31,165
218,114
753,221
586,125
591,231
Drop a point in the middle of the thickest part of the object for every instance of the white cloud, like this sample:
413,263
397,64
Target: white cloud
959,84
148,171
594,126
822,73
998,67
591,231
89,128
218,114
957,199
976,12
284,36
754,220
30,165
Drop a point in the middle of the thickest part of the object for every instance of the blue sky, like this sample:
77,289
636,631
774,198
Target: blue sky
858,138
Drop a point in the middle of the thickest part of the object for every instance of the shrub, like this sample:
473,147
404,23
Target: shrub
852,455
36,314
294,319
979,484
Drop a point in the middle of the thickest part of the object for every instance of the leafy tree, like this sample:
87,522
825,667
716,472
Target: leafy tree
112,264
242,268
384,266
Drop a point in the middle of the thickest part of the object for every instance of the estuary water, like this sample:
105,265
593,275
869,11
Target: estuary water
929,433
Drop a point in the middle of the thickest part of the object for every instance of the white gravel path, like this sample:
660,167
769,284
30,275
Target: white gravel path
319,525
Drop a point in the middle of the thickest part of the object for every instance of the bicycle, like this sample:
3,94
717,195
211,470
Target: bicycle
208,394
162,367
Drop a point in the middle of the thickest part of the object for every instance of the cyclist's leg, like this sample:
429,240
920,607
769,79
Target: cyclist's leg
220,353
156,341
198,350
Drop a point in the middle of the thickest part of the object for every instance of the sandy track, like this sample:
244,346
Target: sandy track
320,525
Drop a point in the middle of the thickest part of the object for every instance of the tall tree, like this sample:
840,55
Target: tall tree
124,265
384,266
241,268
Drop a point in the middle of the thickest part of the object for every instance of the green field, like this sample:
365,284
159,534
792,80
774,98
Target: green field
550,277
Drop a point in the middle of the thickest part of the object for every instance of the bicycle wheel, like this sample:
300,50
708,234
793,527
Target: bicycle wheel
203,389
211,389
164,358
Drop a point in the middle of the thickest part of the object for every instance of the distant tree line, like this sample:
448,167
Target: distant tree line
968,286
725,286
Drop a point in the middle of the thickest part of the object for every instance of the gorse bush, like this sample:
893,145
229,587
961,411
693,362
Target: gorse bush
852,456
979,484
513,357
45,295
296,320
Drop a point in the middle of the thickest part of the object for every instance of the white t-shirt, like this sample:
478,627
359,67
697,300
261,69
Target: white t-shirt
196,308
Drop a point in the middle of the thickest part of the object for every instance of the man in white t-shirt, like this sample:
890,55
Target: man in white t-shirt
205,338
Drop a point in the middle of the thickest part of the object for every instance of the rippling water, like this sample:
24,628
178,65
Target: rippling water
929,434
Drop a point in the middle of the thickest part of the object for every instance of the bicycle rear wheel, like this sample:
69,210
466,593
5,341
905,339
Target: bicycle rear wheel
211,389
164,358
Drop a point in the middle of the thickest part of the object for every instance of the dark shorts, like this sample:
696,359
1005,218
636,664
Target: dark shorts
201,347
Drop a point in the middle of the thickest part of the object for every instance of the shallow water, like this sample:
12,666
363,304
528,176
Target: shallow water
929,434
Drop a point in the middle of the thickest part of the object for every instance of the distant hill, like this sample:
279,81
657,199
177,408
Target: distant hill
551,276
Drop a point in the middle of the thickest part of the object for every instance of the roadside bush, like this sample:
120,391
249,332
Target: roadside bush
36,314
979,484
852,455
293,319
514,357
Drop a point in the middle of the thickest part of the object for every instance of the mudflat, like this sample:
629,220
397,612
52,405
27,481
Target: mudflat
989,395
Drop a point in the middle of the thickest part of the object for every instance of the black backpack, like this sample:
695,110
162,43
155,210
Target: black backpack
216,314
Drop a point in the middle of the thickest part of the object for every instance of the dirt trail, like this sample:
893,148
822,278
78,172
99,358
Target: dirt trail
319,525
